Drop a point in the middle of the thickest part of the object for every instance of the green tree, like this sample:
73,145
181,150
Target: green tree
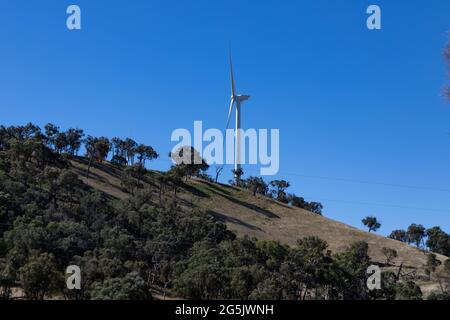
91,153
272,253
305,268
189,161
349,273
399,235
51,132
40,276
74,140
388,287
202,276
119,154
129,147
415,234
7,278
408,291
175,177
372,223
132,176
58,182
61,142
130,287
280,187
244,279
300,202
438,241
256,185
97,149
102,147
145,153
269,289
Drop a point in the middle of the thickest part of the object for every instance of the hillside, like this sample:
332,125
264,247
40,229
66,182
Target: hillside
264,218
139,234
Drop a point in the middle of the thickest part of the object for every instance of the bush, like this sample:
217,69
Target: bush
408,291
40,277
130,287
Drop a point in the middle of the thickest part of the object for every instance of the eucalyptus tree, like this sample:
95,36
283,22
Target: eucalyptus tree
372,223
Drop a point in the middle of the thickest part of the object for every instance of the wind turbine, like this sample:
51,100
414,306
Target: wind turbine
236,99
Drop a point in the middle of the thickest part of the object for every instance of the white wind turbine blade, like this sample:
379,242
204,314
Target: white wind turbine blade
233,93
229,112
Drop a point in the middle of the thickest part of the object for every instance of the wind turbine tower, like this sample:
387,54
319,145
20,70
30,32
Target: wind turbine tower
236,99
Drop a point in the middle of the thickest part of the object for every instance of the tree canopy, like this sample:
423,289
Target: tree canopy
372,223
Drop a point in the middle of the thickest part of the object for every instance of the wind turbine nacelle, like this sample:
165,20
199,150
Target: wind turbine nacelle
243,97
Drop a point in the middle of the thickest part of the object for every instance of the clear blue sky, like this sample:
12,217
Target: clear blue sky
350,103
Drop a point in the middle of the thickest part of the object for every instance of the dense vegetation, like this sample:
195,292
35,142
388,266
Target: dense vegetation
50,219
433,239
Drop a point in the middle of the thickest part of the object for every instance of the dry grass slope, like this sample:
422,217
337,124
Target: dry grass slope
267,219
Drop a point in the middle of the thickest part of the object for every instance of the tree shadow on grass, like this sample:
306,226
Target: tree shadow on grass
250,206
215,187
226,219
195,191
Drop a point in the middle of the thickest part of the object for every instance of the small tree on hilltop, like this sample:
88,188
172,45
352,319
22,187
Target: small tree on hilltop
119,154
416,234
399,235
371,223
145,153
51,132
61,142
102,147
315,207
97,149
89,144
279,189
129,147
299,202
238,176
438,241
189,161
74,139
256,185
